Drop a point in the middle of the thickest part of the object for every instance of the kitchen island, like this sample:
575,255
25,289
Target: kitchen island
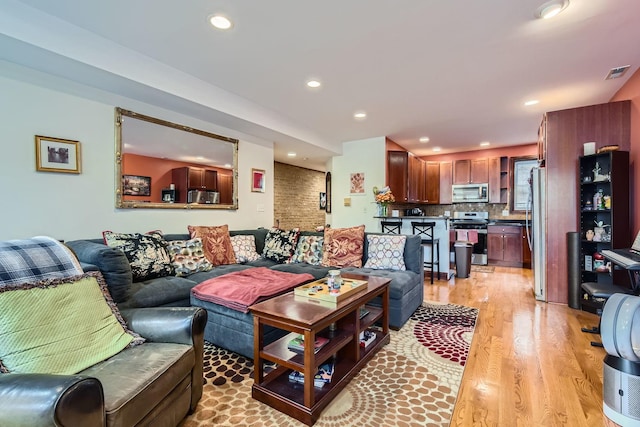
441,232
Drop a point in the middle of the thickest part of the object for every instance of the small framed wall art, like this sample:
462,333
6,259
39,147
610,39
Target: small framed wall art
257,180
323,201
357,183
135,185
57,155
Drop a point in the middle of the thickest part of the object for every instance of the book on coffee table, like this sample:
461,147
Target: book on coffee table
322,377
297,344
366,338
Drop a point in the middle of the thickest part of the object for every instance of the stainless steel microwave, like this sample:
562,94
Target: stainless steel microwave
470,193
203,196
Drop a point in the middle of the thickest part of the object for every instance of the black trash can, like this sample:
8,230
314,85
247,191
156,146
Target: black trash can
463,258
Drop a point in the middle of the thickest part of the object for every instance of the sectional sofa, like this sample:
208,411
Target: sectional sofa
232,329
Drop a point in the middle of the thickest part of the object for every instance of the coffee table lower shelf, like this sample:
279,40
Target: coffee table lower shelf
278,392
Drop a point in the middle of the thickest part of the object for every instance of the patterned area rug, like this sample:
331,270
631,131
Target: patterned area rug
413,381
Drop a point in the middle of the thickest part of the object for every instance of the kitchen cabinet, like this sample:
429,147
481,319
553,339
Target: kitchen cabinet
603,224
432,182
412,179
406,177
225,188
475,171
398,174
446,180
416,182
504,245
498,179
190,178
526,250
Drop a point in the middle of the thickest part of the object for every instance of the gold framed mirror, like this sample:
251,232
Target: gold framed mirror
164,165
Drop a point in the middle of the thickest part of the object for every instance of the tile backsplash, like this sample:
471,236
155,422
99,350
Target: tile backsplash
495,210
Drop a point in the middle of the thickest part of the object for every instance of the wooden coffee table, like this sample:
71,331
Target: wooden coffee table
301,316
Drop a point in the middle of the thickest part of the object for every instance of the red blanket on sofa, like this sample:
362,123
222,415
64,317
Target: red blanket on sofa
240,289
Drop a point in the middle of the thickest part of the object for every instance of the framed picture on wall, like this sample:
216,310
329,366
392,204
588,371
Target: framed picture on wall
257,180
323,201
57,155
356,185
135,185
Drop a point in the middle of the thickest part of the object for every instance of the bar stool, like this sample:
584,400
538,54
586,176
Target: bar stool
392,227
426,232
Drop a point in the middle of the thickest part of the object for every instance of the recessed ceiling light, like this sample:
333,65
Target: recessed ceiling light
424,139
436,149
531,102
551,9
313,83
291,154
360,115
220,22
485,143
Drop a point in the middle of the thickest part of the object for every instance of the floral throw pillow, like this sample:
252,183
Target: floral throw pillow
244,247
147,253
343,247
309,250
386,252
187,256
216,243
280,244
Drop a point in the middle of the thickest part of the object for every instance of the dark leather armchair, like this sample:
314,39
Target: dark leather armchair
156,383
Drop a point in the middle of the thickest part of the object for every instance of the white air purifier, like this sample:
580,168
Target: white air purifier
620,331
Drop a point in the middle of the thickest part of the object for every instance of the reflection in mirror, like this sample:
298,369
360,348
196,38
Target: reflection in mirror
160,164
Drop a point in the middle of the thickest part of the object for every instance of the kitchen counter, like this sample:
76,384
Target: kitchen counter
513,222
441,232
411,217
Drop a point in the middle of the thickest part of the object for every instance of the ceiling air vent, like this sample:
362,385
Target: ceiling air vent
614,73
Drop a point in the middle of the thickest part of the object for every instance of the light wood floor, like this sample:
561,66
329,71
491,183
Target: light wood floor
529,364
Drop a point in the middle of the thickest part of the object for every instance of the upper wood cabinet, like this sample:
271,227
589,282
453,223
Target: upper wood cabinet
474,171
191,178
398,174
432,182
415,182
225,188
446,180
498,179
411,179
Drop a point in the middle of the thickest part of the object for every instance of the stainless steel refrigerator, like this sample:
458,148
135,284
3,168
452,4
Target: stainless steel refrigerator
538,208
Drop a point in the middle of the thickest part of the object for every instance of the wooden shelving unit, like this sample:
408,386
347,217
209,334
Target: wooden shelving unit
614,183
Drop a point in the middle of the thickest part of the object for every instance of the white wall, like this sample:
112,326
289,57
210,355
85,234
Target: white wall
69,206
366,156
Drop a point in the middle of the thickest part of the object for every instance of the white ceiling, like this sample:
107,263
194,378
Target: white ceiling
457,71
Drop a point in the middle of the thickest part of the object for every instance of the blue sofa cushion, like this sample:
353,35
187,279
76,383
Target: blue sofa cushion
158,292
113,264
317,271
402,282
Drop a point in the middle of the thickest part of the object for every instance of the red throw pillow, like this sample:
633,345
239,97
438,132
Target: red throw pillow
216,243
343,247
